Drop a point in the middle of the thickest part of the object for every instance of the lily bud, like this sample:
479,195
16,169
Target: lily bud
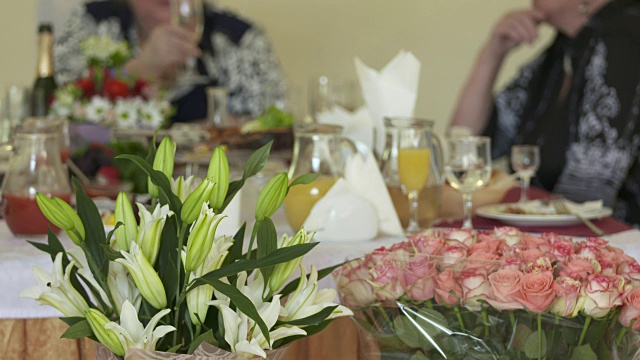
150,230
163,162
63,216
195,200
218,173
272,196
282,272
201,237
108,338
182,187
128,231
145,277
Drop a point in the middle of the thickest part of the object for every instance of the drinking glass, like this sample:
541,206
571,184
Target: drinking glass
414,152
189,14
468,168
525,160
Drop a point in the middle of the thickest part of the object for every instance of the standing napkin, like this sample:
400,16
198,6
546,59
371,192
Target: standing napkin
391,92
357,125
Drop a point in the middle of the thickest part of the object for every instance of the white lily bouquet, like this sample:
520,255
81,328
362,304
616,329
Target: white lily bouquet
168,283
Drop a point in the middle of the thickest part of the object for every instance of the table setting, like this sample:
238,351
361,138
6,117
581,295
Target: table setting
368,190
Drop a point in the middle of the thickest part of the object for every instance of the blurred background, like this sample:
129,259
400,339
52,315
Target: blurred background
312,37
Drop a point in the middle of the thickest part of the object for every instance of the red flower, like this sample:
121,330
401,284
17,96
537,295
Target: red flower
87,86
139,88
114,89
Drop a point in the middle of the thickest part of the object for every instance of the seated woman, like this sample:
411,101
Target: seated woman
579,100
231,53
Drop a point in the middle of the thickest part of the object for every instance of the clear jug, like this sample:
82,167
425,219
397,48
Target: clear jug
429,196
35,166
318,149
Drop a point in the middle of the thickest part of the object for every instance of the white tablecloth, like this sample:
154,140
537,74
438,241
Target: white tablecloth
17,258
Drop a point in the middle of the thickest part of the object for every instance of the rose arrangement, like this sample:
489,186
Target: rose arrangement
502,294
168,283
106,95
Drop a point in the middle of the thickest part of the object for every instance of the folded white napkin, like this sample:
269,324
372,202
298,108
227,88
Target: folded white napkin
358,207
357,125
390,92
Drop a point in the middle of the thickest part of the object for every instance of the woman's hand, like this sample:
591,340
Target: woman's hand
166,48
514,29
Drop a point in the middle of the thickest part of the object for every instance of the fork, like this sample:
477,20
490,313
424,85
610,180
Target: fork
561,208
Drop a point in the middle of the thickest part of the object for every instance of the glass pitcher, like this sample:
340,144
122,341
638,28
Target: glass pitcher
35,166
430,195
318,149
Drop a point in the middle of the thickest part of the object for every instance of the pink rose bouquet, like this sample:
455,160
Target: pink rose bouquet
502,294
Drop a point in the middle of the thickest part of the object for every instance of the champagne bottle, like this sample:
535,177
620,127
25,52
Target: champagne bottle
45,83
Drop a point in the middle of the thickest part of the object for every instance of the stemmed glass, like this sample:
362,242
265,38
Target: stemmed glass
468,168
414,159
189,14
525,160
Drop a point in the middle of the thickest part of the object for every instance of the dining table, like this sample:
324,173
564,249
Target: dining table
31,331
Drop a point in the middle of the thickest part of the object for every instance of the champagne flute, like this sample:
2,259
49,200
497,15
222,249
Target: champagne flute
189,14
468,168
414,160
525,160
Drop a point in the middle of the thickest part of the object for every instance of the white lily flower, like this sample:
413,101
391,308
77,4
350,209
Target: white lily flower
133,334
83,269
241,332
55,289
122,286
150,230
182,187
197,299
145,277
307,300
282,272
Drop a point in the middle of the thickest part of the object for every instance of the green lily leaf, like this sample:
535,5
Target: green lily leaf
95,236
207,337
256,161
311,330
78,330
276,257
314,319
304,179
291,287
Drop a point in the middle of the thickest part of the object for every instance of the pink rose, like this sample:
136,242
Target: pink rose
353,282
607,268
540,265
418,278
428,245
504,284
602,293
475,286
463,236
531,255
536,291
534,242
386,277
630,270
562,249
480,259
588,252
579,268
568,302
448,291
487,244
612,255
597,242
451,253
512,263
631,309
510,235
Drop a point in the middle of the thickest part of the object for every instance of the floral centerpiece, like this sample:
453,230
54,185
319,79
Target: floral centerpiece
106,95
499,295
168,283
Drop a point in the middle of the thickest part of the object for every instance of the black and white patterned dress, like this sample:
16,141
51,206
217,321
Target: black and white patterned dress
589,134
235,54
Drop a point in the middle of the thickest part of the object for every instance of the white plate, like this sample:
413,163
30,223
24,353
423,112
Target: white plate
497,212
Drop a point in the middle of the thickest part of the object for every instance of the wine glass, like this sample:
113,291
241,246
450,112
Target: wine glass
468,168
525,160
189,14
414,160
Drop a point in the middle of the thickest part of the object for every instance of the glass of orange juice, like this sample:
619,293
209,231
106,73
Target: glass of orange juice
414,157
318,149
